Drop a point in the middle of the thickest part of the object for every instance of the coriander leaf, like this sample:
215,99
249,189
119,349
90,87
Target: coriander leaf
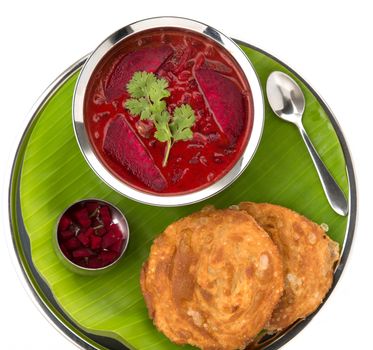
136,106
163,133
158,108
136,87
182,122
158,90
162,118
146,114
147,101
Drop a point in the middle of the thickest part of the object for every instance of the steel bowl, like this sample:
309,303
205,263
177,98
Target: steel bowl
127,190
118,218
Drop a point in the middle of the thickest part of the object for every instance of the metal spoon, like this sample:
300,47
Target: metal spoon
288,102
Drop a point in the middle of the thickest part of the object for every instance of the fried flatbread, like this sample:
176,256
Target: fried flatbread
212,279
308,255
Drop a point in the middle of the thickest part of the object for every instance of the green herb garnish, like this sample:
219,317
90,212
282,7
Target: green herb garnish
147,100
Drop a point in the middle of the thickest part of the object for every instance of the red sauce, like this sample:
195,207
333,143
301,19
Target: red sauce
192,164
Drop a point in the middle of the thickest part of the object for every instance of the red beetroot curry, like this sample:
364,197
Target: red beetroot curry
200,73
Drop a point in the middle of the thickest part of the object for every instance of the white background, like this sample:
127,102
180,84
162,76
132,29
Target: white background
329,43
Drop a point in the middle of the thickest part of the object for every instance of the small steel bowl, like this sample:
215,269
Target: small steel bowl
105,174
118,218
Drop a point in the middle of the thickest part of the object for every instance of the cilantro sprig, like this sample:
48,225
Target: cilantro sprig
147,101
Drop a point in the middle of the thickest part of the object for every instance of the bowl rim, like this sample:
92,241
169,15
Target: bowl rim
167,200
66,260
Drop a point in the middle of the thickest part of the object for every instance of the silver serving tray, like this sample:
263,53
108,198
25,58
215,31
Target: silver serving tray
41,294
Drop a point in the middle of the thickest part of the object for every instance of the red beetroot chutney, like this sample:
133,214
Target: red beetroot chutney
200,73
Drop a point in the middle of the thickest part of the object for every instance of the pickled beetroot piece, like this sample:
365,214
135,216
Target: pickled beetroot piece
105,216
65,223
117,246
225,101
84,236
108,257
65,235
113,236
92,208
82,217
146,59
82,253
95,242
73,244
88,236
122,143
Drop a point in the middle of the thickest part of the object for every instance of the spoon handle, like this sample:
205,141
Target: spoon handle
333,193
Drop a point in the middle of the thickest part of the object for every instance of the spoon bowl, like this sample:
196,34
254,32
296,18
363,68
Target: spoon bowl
287,99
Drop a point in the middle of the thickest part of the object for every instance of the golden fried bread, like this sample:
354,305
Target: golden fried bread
308,256
212,279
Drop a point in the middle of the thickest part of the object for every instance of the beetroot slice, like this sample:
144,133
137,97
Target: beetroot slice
65,235
122,144
73,243
115,229
95,242
83,239
109,239
82,253
225,101
94,262
147,59
65,222
92,207
108,257
117,246
82,217
105,215
90,231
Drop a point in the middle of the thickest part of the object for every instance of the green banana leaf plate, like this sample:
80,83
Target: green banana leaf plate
108,311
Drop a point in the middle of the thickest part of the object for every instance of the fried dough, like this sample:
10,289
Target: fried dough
212,279
308,256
